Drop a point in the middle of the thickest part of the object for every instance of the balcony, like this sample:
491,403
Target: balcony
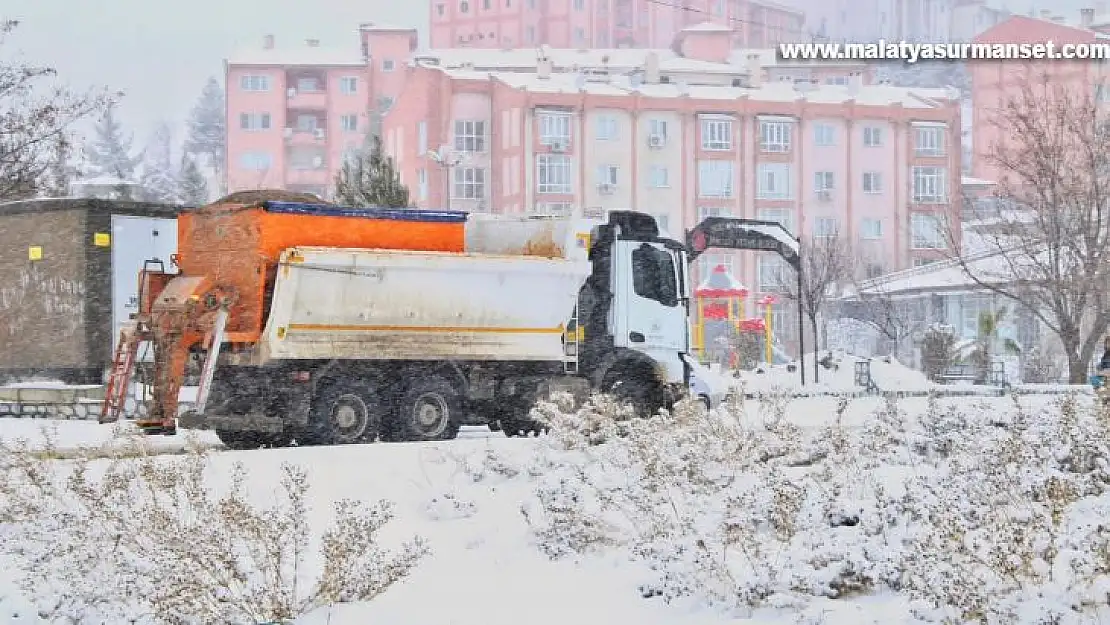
298,137
307,89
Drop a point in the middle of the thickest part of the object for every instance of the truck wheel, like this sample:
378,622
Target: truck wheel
646,398
523,428
429,410
345,412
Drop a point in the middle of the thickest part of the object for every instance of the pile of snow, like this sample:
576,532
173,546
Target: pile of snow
816,510
886,372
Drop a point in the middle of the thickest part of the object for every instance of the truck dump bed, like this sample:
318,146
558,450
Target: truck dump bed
238,245
389,305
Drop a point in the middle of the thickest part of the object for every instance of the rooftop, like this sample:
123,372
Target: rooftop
305,54
866,95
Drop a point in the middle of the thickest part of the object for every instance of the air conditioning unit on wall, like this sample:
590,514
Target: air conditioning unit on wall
656,141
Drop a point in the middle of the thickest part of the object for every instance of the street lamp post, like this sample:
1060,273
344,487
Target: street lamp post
446,159
767,302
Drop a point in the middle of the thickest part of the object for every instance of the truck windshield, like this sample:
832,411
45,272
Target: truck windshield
654,276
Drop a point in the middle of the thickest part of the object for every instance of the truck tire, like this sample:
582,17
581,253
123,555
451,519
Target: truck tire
430,409
645,396
345,412
237,440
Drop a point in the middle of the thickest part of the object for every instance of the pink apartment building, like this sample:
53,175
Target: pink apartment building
875,163
606,23
295,111
993,82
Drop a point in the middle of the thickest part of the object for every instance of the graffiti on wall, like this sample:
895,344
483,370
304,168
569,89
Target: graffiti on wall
39,305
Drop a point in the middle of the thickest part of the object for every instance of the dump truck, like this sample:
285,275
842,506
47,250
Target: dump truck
332,325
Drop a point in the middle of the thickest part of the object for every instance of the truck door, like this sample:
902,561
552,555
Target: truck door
649,315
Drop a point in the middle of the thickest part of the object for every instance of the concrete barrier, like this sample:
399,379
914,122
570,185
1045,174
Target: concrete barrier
63,402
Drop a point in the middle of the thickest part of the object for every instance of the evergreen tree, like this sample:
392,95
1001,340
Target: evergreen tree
158,180
109,154
370,179
208,126
192,188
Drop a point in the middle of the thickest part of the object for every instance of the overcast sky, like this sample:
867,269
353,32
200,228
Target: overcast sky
160,54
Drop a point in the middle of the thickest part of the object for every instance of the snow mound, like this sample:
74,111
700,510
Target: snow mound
886,372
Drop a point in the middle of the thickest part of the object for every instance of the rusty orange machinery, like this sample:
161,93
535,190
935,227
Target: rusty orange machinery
227,257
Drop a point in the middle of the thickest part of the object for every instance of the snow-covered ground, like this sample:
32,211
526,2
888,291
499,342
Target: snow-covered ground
774,510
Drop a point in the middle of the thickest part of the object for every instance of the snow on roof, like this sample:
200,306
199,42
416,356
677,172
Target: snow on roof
378,27
867,95
707,27
303,55
103,181
942,276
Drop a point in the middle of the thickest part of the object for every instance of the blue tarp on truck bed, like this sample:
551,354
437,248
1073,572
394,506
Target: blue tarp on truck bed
397,214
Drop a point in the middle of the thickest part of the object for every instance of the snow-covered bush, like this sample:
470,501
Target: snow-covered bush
136,538
972,515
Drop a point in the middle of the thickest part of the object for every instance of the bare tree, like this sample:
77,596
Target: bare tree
35,121
894,318
827,264
1049,249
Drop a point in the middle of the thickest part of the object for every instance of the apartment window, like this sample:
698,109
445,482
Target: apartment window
773,182
306,123
872,137
308,84
836,80
823,181
715,179
658,128
486,4
663,221
929,185
349,123
825,227
470,136
921,262
824,135
579,36
659,177
772,274
470,183
607,175
530,34
606,128
254,83
387,65
254,121
439,9
872,182
256,161
422,184
464,6
422,137
554,128
780,216
348,85
579,5
716,134
871,229
926,232
775,136
704,212
553,173
929,141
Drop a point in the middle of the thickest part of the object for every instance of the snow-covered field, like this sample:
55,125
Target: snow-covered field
775,510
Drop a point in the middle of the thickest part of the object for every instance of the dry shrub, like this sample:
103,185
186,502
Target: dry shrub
142,538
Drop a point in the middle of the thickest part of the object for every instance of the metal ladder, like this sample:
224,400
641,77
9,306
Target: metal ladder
570,344
119,380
